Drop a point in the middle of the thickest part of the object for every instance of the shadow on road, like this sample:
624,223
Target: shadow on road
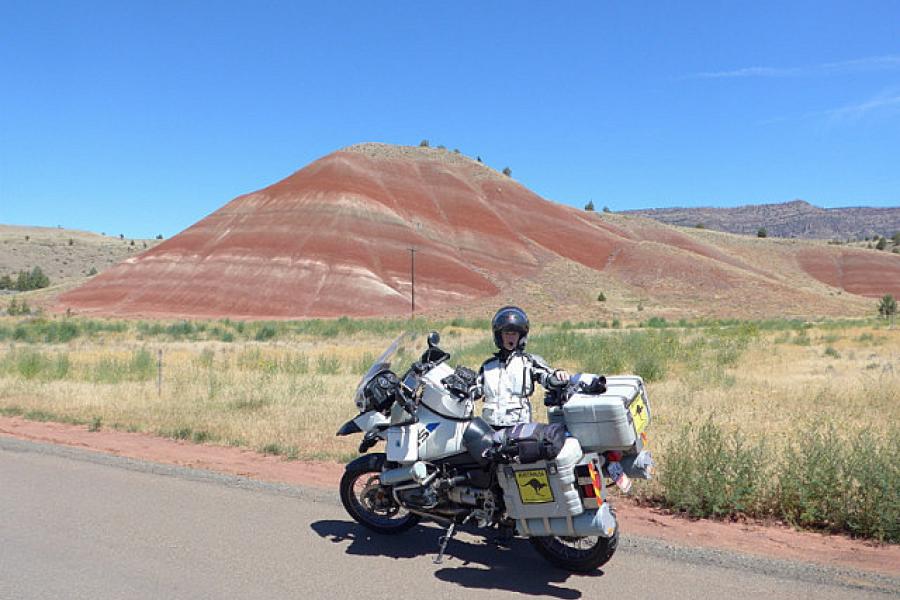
517,568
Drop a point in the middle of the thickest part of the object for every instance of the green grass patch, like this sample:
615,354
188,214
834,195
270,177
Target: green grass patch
708,472
328,365
275,449
820,480
11,411
843,483
33,365
140,366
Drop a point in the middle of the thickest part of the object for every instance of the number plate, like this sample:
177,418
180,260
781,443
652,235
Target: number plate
534,486
639,414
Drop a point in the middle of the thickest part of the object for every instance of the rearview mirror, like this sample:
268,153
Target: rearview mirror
434,339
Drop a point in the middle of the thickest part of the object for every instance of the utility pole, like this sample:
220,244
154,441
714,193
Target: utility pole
412,279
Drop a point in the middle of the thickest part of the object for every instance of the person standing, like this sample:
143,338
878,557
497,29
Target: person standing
506,380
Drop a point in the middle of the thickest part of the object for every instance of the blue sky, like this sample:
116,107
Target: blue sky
143,117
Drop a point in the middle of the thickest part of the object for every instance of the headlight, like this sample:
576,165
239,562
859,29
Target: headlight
381,391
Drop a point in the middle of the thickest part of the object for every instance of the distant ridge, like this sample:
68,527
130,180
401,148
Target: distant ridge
795,219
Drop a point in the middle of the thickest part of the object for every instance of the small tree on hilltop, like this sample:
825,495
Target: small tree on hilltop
887,307
606,209
507,171
423,144
589,206
762,233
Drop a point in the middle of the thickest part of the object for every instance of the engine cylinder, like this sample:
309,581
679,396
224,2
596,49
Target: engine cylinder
417,471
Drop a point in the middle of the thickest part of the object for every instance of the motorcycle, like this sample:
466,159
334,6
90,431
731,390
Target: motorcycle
544,482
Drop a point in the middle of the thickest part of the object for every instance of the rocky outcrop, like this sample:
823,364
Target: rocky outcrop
796,219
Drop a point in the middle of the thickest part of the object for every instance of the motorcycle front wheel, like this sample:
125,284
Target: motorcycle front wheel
578,554
371,505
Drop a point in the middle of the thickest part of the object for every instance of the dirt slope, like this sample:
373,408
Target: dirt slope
334,239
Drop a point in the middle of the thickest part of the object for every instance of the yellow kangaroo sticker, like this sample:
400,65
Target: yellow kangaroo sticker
534,486
639,414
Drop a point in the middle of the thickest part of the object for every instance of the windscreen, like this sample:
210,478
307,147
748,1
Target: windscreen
381,363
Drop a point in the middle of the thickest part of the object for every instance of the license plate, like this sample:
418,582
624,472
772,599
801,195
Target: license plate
639,414
534,486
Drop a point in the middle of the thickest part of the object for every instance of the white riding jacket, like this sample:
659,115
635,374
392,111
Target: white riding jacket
506,385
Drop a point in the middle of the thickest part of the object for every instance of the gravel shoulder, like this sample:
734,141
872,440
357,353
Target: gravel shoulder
771,546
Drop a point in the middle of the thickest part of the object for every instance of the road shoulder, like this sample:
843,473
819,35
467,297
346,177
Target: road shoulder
766,542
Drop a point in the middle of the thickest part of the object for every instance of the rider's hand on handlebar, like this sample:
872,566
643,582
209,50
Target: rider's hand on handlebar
555,381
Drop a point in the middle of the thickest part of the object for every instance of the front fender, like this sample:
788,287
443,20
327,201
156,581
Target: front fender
364,423
348,428
367,462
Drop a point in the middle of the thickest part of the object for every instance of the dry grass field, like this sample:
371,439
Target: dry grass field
757,418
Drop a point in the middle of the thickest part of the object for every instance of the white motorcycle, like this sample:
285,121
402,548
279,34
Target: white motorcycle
545,482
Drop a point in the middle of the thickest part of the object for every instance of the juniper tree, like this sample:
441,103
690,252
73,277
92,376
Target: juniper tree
887,307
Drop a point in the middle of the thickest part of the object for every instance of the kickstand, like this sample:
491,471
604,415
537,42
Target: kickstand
444,540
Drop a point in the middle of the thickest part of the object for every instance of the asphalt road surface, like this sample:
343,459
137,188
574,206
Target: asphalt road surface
75,524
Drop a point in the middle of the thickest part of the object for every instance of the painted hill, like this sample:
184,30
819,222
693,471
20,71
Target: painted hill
796,219
334,239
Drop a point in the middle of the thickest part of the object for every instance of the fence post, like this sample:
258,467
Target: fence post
159,373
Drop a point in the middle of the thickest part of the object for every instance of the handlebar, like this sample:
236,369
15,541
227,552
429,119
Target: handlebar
554,382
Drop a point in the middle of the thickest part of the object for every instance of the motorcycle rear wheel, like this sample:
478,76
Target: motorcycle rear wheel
371,505
577,554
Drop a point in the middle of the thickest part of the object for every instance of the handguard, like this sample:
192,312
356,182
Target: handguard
460,382
559,392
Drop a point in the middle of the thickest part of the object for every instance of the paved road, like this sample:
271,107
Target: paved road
76,524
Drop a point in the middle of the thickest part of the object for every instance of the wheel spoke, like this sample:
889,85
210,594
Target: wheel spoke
375,502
